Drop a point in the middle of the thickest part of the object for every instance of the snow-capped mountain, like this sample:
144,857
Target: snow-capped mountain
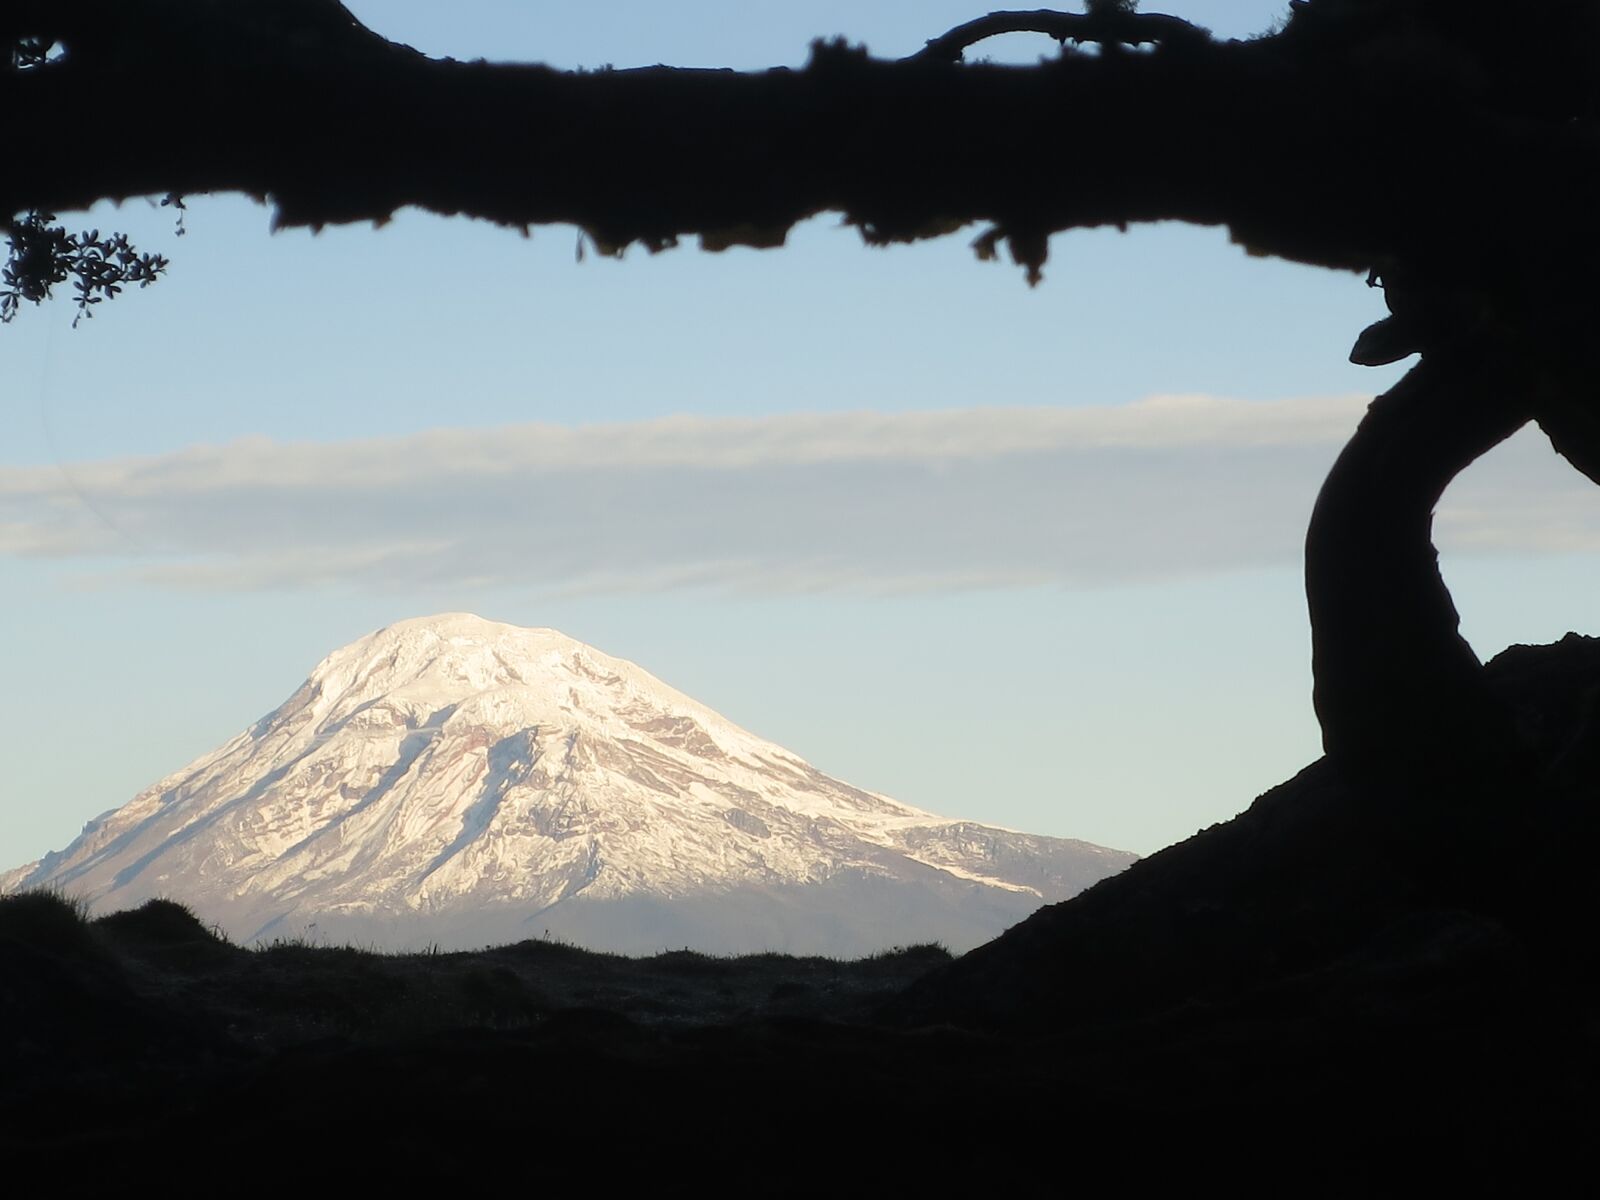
454,781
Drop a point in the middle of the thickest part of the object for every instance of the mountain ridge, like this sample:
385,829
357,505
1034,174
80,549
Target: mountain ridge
460,776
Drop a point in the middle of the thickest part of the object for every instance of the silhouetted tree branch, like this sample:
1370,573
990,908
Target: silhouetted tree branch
1411,139
1106,24
1303,145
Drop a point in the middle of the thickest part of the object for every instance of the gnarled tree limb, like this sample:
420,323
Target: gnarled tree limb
1398,690
1309,148
1110,26
1408,138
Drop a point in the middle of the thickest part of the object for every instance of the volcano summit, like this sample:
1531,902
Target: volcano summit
455,781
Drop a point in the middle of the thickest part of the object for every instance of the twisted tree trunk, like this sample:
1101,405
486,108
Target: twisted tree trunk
1397,689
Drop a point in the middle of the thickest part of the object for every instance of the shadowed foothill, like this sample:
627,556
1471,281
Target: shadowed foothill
1366,1004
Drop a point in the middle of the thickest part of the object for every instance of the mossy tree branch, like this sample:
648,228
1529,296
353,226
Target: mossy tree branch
1297,144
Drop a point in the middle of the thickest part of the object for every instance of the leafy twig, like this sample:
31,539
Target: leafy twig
43,254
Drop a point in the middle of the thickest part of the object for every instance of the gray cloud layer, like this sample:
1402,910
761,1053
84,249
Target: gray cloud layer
992,497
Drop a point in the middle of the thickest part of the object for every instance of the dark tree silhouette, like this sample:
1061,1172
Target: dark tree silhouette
1474,130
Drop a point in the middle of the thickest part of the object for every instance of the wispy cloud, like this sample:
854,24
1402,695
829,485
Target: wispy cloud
855,501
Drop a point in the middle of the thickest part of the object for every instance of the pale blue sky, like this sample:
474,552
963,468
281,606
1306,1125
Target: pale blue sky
1142,674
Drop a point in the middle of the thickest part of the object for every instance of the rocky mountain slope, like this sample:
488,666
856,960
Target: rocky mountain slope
455,781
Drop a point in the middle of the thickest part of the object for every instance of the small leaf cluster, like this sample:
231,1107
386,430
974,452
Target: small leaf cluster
43,254
28,53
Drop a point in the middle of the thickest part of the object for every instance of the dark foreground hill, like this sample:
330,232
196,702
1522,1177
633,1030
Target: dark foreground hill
1335,994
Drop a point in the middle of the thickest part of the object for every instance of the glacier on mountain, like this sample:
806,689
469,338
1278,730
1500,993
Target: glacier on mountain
453,781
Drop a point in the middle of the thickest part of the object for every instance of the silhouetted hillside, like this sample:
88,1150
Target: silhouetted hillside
1324,879
1344,991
